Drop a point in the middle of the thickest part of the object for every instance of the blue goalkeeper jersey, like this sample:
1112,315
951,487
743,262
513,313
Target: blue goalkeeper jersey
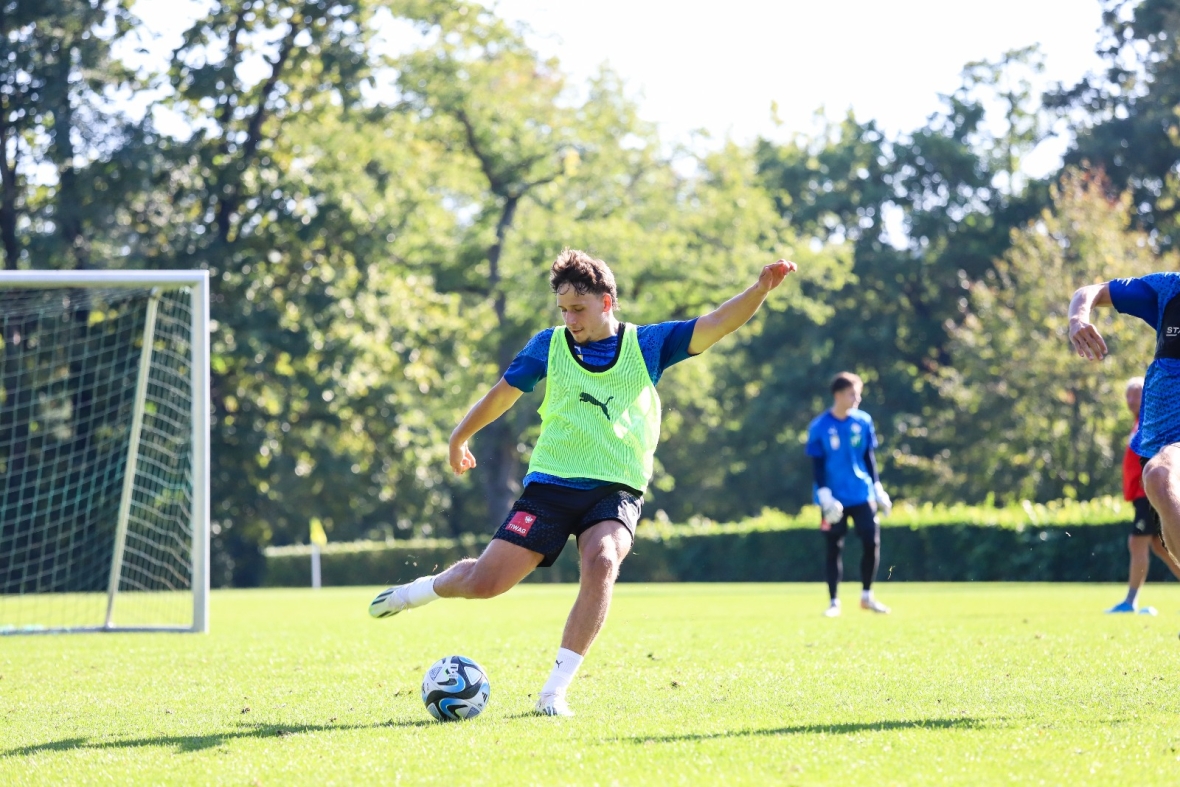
1155,299
842,443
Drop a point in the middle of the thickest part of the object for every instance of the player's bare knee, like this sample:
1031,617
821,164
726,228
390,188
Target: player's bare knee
602,562
1166,463
1157,476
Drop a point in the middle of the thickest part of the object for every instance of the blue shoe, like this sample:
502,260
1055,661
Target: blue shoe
1148,611
1122,606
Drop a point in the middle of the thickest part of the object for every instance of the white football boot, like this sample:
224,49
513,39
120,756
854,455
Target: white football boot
833,610
389,602
873,605
553,705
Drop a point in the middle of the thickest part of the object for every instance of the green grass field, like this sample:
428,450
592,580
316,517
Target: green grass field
688,684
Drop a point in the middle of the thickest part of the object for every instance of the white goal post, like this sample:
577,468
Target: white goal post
104,451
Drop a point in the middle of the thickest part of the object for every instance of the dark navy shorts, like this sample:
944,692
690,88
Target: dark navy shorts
1145,514
1147,521
546,515
863,518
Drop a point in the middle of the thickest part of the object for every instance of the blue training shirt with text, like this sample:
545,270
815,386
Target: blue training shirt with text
841,443
1155,299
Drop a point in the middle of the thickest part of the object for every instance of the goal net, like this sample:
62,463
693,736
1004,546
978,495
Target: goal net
103,451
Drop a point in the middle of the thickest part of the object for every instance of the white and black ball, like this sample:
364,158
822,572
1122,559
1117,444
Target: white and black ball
455,688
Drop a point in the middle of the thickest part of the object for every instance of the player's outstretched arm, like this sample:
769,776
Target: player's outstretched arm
1084,337
738,310
494,404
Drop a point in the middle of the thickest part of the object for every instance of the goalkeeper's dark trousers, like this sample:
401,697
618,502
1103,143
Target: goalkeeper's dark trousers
864,521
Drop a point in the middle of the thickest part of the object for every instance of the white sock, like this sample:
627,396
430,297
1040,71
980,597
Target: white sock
866,595
565,666
835,602
420,591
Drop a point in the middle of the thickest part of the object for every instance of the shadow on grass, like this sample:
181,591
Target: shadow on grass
525,714
831,729
195,743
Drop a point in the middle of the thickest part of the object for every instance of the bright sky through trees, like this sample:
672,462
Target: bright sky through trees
721,69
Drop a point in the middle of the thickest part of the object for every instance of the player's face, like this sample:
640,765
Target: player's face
1134,400
587,316
849,398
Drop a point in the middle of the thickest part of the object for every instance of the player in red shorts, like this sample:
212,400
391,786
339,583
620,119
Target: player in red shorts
1145,529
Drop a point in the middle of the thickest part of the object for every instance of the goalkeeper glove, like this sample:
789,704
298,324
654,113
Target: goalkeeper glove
884,504
832,509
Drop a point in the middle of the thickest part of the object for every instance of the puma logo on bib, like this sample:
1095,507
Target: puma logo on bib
585,397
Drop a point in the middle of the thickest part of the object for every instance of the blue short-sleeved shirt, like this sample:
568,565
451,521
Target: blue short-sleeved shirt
1155,299
842,443
662,345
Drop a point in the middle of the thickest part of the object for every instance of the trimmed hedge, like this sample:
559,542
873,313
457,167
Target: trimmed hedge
942,553
777,548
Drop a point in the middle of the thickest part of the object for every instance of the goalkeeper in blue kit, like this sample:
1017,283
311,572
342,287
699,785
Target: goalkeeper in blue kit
847,489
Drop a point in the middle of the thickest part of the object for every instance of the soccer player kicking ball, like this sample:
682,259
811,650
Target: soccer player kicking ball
840,443
600,422
1154,298
1145,529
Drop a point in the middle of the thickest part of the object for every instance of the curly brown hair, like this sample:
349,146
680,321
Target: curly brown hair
584,273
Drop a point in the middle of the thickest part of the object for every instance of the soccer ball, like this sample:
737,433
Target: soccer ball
455,688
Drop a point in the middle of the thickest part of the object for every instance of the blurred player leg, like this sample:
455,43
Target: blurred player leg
1161,480
1140,549
1157,548
834,563
868,530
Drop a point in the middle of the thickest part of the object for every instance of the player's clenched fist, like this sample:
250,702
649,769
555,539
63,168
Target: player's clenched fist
772,275
462,459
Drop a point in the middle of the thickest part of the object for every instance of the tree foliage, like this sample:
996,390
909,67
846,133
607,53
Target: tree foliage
925,214
1027,418
1125,118
378,228
62,133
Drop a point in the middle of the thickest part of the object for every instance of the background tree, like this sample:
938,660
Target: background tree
63,174
925,215
61,131
378,229
1026,417
490,97
283,256
1125,118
